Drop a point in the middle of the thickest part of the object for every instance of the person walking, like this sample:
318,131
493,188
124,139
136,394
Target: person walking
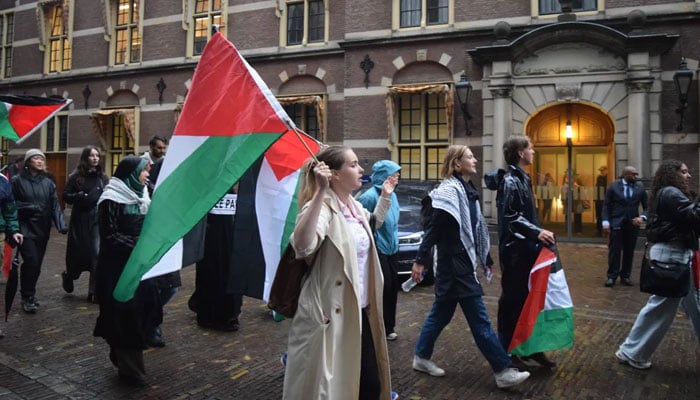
337,345
125,326
83,189
621,219
387,239
520,237
37,206
672,233
458,229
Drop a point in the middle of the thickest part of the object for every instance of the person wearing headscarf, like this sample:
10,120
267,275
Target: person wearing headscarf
126,325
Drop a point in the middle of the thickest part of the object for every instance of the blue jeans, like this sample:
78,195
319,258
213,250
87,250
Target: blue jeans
474,311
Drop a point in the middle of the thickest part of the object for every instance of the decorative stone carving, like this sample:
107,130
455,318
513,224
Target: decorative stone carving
421,55
501,91
568,91
568,58
639,85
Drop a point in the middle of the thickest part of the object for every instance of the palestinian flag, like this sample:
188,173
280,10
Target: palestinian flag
229,119
21,115
266,212
547,319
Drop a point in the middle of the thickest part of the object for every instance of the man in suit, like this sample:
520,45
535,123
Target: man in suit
621,219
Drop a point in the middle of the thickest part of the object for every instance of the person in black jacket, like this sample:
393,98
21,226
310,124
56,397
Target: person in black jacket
37,205
673,236
520,237
83,189
459,231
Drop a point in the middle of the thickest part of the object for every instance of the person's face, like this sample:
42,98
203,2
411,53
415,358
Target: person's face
143,176
158,149
630,175
685,176
349,177
93,158
467,164
527,155
604,172
37,164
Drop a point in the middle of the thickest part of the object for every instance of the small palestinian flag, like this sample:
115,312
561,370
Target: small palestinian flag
546,321
21,115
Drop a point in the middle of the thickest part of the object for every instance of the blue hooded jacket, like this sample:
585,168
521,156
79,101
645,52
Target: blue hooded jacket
387,235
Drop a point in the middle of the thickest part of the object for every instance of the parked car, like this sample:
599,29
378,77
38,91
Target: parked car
410,193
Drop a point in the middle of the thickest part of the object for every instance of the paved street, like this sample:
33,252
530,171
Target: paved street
53,355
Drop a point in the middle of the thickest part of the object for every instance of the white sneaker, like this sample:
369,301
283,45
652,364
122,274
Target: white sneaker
624,359
427,366
510,377
392,336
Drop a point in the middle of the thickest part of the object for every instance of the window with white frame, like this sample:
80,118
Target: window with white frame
58,56
422,13
55,133
553,6
422,134
304,22
305,118
7,30
127,32
206,14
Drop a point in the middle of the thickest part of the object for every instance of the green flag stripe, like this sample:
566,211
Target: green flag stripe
554,330
6,129
186,195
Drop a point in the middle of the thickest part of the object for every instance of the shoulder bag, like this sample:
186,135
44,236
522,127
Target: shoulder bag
667,279
286,287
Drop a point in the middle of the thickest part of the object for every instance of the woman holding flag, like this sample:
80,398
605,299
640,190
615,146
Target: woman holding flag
337,344
125,325
672,233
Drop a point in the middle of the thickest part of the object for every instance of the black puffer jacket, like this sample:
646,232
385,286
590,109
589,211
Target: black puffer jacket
675,218
37,205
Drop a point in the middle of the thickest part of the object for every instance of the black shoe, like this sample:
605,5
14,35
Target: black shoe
132,380
29,305
66,282
540,359
610,282
156,338
627,282
91,298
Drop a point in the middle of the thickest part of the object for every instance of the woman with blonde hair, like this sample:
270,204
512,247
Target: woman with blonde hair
337,343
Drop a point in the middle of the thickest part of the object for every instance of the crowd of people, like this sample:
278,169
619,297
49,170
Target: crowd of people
337,345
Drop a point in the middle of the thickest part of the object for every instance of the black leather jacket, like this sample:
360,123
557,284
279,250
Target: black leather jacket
37,205
675,218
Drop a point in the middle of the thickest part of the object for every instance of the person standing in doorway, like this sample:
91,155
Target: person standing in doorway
621,219
387,238
601,183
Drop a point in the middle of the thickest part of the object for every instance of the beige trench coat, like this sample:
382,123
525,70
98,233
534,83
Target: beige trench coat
325,338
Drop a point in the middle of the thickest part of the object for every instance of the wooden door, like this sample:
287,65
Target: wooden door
56,165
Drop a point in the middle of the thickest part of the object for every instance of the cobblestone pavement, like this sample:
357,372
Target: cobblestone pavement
53,355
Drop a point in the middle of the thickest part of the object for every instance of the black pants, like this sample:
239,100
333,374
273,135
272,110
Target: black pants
623,240
32,251
390,270
370,388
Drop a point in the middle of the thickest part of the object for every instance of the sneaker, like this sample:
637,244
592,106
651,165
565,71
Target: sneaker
510,377
427,366
29,305
625,359
394,396
66,282
392,336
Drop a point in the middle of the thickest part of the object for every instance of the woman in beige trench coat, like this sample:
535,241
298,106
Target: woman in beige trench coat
343,288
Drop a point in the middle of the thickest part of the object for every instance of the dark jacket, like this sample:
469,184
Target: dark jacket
618,209
37,205
8,210
675,218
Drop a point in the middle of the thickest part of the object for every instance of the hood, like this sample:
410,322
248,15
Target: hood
493,178
382,170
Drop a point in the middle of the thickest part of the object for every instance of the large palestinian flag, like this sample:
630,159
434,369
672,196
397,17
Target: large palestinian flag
547,319
266,212
229,119
21,115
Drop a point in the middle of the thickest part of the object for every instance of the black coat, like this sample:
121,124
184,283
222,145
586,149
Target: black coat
37,205
676,218
123,324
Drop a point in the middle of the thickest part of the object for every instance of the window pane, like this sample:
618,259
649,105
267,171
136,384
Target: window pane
67,54
433,164
409,118
118,133
316,21
409,159
436,118
62,132
123,12
134,11
8,61
135,45
295,23
201,6
120,47
437,12
553,7
50,133
201,25
54,55
311,122
216,5
57,21
410,12
10,29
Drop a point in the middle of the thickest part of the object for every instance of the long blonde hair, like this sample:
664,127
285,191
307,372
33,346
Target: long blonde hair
454,153
333,156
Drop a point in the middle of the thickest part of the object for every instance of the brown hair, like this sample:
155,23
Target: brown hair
333,156
512,146
454,153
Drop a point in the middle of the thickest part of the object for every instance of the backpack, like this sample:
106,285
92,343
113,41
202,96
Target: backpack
426,210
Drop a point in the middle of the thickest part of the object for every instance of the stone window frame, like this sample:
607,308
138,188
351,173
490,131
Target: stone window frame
535,9
51,141
44,10
396,17
318,101
109,19
282,13
6,40
188,15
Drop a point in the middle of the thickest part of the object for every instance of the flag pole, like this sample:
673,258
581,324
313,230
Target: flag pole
306,146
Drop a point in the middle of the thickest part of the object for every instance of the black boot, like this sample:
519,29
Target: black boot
66,282
155,339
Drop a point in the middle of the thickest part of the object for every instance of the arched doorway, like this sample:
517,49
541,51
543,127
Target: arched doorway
592,156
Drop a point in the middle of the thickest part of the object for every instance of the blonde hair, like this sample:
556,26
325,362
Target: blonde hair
454,153
333,156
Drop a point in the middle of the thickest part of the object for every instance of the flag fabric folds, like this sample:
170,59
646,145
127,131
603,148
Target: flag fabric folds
21,115
266,213
229,119
546,321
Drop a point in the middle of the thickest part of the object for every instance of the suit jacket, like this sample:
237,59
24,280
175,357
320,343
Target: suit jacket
618,209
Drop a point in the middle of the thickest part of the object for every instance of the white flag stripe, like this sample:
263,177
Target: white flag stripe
558,295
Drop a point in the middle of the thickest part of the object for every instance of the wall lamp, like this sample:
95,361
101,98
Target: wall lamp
464,90
682,78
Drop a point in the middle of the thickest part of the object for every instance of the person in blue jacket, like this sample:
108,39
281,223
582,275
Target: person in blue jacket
387,238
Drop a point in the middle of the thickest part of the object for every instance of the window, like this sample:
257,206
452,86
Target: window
127,36
59,46
56,136
305,22
553,6
121,144
421,13
7,33
305,118
207,13
422,134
